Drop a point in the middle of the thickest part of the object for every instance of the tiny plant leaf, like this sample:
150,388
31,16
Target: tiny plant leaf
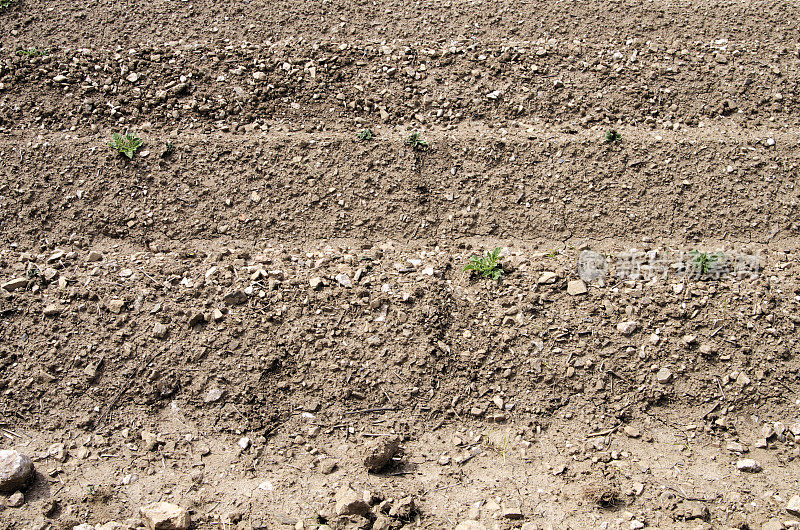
612,136
703,263
125,145
365,135
33,52
487,266
169,150
416,142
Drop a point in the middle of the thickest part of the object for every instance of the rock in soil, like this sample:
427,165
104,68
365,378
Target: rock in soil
793,507
16,471
58,451
160,330
627,327
52,310
349,502
403,509
165,516
381,523
470,525
664,376
116,306
632,432
748,465
235,298
379,452
512,512
13,285
16,500
576,287
773,524
327,466
198,317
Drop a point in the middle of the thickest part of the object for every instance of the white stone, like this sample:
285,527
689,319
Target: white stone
793,507
470,525
576,287
627,327
664,376
165,516
748,465
16,470
547,277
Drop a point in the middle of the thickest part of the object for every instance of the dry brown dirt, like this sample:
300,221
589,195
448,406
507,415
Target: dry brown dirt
258,272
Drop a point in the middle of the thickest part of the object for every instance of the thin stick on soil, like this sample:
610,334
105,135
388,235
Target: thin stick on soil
683,495
469,457
61,487
615,374
603,432
124,388
712,409
151,278
341,317
367,411
11,432
442,488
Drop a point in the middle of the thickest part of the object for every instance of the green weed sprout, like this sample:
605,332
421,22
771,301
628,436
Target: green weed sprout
702,263
487,266
125,145
417,142
33,52
612,136
365,135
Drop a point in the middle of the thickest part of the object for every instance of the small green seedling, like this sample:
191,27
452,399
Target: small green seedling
417,142
5,4
169,150
701,263
552,254
125,145
487,266
612,136
365,135
33,52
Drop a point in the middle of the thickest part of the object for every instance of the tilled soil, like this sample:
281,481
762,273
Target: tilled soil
232,318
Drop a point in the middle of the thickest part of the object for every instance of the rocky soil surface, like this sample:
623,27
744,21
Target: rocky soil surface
261,319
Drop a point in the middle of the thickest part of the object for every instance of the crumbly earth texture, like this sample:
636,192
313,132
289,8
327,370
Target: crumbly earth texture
229,319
